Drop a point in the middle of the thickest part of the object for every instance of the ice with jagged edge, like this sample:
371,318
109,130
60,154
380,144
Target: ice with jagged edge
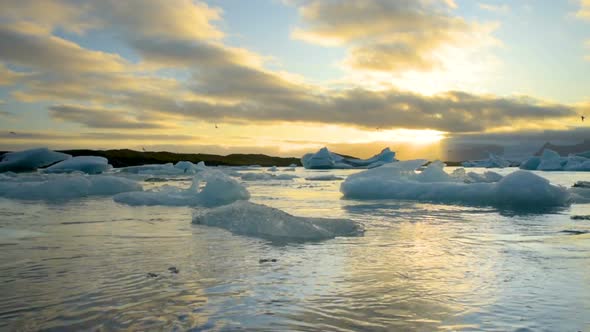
219,189
518,190
84,164
63,187
30,160
552,161
245,218
493,161
324,159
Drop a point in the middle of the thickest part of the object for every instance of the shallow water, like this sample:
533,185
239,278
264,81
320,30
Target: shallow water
83,265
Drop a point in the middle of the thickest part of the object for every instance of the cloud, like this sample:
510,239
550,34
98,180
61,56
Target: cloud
100,117
390,36
7,76
494,8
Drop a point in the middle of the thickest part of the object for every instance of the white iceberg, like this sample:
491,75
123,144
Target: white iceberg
518,190
67,187
327,177
493,161
188,167
219,189
256,220
324,159
85,164
29,160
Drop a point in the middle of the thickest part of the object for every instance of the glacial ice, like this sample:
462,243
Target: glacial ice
324,159
219,189
66,187
29,160
518,190
85,164
493,161
257,220
189,168
327,177
552,161
181,168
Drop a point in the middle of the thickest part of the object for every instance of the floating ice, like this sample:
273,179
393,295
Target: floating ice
324,159
493,161
251,219
85,164
552,161
219,189
156,169
29,160
292,165
67,187
189,168
266,176
272,169
519,190
327,177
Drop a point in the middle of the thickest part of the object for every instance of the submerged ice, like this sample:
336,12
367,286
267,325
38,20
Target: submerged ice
219,189
520,189
257,220
324,159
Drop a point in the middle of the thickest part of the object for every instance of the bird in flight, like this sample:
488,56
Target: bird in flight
216,126
582,117
143,149
12,133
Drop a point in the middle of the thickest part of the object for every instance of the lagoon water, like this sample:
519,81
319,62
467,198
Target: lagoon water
83,265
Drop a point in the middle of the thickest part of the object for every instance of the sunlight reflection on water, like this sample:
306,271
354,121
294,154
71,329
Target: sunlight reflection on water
84,264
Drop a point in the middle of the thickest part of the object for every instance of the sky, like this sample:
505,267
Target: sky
285,77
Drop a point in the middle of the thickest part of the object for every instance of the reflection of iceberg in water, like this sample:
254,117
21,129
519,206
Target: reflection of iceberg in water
324,159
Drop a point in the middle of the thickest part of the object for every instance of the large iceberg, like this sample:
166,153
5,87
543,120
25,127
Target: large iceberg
65,187
219,189
552,161
256,220
493,161
518,190
30,160
324,159
85,164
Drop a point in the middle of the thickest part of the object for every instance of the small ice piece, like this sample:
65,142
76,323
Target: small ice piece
293,165
67,187
493,161
257,220
154,169
219,189
272,169
518,190
324,159
327,177
582,184
29,160
85,164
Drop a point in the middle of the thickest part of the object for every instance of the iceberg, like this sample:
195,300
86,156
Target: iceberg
85,164
219,189
552,161
67,187
189,168
324,159
245,218
30,160
518,190
493,161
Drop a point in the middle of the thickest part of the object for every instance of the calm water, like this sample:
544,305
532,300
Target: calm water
83,264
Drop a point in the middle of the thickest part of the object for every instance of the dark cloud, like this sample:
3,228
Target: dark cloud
100,117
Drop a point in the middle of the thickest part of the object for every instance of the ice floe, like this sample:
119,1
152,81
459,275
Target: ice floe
324,159
518,190
257,220
552,161
493,161
266,176
29,160
181,168
66,187
85,164
219,189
